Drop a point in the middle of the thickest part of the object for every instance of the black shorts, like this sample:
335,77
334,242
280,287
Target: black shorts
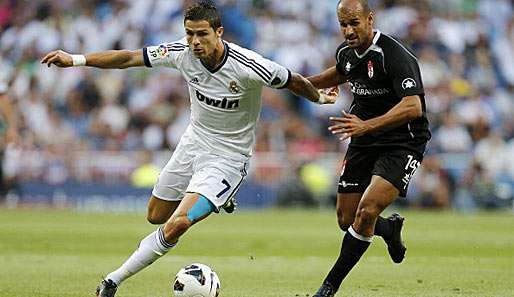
396,165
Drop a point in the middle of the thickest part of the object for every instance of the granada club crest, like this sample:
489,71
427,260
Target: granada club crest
370,69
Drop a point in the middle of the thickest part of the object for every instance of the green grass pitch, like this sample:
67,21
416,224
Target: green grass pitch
256,253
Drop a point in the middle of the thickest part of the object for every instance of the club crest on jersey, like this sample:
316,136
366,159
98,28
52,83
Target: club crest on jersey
162,50
233,87
370,69
348,67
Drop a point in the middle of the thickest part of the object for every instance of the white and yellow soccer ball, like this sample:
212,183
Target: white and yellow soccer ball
196,280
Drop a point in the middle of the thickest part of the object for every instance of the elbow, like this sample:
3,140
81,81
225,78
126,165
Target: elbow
413,107
415,112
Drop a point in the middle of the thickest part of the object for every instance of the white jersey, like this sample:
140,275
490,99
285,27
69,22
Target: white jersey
226,101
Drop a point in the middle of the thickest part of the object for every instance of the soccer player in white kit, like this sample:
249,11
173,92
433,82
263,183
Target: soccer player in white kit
225,83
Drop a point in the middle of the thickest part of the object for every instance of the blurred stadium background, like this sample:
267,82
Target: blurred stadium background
95,139
92,141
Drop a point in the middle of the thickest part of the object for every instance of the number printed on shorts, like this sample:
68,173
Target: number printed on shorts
412,165
227,187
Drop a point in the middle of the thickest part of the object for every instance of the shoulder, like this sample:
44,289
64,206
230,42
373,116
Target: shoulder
394,49
251,61
240,53
341,49
178,46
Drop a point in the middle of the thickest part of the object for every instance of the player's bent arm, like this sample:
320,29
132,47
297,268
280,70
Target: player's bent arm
300,86
406,110
327,79
112,59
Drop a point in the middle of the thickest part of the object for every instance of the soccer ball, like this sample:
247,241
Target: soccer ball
196,280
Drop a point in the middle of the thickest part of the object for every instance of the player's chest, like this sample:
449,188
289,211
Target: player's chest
219,84
369,68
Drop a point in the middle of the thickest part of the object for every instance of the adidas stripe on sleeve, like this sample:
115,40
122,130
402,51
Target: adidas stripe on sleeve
262,70
166,54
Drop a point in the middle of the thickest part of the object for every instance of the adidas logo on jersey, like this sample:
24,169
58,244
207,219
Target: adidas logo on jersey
216,102
195,81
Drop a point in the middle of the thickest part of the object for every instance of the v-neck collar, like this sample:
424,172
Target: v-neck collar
375,39
223,61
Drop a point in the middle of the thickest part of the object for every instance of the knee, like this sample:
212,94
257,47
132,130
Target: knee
175,227
367,214
344,223
155,218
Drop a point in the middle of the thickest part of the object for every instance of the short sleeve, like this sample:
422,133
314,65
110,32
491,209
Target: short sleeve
339,58
261,70
280,76
165,54
403,69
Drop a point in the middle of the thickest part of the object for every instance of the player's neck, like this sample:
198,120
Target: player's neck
217,57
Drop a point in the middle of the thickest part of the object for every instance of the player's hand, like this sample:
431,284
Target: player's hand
329,95
348,125
59,58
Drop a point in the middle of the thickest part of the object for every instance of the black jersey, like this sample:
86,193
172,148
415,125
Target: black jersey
379,79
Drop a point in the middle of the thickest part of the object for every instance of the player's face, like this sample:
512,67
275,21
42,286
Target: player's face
356,26
202,38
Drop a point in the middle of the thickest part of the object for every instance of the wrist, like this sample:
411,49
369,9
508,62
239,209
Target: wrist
321,98
78,60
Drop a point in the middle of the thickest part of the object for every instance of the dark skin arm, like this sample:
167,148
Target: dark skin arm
328,78
351,126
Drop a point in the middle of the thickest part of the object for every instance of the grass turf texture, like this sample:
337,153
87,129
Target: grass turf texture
256,253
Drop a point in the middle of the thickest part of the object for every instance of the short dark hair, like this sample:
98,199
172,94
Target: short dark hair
204,11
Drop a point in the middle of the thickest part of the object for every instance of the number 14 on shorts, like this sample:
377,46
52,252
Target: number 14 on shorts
410,168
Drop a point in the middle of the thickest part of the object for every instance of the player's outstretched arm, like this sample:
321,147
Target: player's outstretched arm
327,79
301,86
112,59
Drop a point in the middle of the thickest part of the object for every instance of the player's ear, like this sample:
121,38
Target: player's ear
371,18
219,32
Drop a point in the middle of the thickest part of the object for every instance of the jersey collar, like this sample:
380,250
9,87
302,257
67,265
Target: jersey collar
223,61
375,39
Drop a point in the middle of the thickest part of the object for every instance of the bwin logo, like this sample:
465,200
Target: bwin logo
216,102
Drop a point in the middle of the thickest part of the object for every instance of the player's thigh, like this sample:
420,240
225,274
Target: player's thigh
159,211
218,179
379,194
357,170
397,166
346,207
176,174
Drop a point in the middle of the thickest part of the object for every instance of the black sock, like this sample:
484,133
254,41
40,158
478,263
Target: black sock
351,251
383,228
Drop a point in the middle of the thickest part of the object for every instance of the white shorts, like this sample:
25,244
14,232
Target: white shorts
192,169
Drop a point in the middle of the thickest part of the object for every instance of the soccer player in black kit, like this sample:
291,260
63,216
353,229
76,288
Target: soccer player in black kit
388,128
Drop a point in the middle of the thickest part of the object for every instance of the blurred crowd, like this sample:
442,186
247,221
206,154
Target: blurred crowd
73,121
